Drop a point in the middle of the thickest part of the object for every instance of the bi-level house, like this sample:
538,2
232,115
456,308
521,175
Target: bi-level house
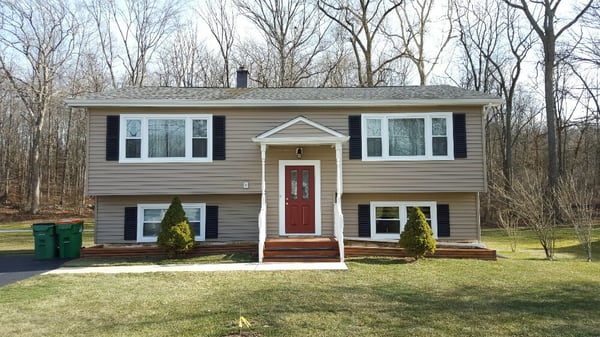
260,164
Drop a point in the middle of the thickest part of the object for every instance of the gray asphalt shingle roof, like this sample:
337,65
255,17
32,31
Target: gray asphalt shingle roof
229,95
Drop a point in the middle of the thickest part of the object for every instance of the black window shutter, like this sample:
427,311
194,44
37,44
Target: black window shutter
443,220
130,232
354,130
212,222
218,137
460,135
112,137
364,221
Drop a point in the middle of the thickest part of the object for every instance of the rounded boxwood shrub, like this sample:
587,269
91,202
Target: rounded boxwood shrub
417,237
176,236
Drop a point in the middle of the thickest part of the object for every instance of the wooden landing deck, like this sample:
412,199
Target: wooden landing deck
143,251
446,253
252,248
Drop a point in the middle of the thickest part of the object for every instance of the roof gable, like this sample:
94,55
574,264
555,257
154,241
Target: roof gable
300,130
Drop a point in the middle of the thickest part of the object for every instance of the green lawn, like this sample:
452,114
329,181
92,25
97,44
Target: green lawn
520,296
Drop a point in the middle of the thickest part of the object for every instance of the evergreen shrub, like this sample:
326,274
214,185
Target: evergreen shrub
417,237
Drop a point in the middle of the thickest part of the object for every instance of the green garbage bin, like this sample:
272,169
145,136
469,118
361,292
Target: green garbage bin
69,234
45,240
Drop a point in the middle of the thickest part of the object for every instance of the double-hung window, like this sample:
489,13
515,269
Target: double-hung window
388,218
150,216
404,136
166,138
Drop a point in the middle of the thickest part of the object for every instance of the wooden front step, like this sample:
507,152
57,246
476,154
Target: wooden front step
301,250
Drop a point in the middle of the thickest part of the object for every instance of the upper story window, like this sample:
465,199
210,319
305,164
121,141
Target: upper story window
403,136
165,138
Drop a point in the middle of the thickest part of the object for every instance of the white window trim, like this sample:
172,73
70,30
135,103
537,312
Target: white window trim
144,143
317,166
403,216
428,116
140,220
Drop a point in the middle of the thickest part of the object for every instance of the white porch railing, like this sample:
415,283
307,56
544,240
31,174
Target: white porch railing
262,229
338,227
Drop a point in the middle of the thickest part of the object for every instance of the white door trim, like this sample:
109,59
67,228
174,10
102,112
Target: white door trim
317,165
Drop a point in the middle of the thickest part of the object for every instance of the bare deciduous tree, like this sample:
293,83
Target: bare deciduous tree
295,31
532,208
543,19
138,27
36,40
364,20
576,200
416,37
221,22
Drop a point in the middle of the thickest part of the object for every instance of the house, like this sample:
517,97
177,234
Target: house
252,164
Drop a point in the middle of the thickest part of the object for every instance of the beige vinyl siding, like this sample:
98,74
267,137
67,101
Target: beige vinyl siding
243,158
300,129
464,220
238,215
459,175
326,156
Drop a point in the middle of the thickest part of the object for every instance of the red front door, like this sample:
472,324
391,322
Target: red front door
299,199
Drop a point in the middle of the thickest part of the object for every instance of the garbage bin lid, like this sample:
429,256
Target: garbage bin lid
69,221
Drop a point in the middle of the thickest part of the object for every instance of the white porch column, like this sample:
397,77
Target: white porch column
338,215
263,159
338,162
262,217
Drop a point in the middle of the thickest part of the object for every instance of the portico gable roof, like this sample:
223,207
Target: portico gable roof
300,130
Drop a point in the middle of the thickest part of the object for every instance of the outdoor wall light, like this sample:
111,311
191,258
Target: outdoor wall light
299,152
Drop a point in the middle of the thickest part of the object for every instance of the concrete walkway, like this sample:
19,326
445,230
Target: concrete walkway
270,266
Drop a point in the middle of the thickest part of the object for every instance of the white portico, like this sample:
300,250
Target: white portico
299,202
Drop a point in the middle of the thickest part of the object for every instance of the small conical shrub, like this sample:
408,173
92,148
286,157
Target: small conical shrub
176,235
417,237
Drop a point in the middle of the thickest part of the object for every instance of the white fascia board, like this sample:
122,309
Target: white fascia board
299,140
82,103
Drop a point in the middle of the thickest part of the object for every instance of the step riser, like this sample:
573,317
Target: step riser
326,252
299,246
291,259
301,250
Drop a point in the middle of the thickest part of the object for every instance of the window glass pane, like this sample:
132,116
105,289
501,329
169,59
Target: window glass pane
166,138
193,214
374,147
294,184
134,128
305,181
440,146
151,229
426,211
199,128
199,148
195,225
438,126
387,226
133,148
406,137
154,215
373,127
387,220
387,213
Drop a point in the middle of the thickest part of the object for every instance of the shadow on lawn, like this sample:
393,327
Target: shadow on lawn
549,309
577,250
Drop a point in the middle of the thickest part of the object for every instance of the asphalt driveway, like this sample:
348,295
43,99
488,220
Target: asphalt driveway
19,267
